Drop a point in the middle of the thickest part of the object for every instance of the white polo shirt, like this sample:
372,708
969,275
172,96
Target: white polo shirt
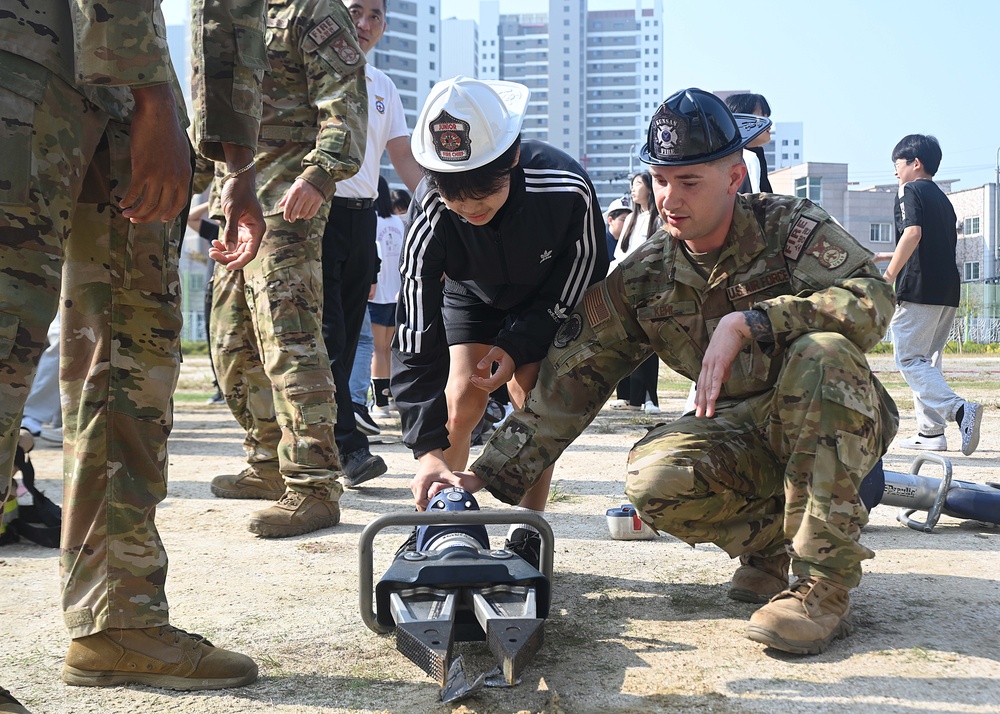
386,121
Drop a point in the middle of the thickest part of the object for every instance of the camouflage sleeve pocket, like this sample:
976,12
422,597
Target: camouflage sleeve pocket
565,359
20,94
248,70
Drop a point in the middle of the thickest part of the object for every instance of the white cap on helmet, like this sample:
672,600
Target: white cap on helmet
466,123
617,205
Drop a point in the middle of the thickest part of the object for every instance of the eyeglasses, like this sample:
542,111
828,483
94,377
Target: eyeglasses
906,162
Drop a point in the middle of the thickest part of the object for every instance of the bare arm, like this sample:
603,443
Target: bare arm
404,163
904,249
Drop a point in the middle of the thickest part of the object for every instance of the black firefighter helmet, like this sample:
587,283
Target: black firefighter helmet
693,126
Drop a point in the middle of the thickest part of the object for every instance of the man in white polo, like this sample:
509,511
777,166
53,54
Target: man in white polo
349,253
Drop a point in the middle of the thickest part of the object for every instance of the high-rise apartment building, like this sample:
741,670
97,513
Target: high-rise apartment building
786,147
595,79
410,53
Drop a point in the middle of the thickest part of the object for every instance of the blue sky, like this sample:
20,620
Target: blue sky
860,74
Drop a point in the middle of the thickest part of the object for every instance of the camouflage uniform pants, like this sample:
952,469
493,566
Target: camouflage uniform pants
267,345
120,345
780,467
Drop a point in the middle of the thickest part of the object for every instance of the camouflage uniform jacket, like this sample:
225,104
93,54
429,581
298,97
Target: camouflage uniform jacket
784,256
228,62
315,116
100,48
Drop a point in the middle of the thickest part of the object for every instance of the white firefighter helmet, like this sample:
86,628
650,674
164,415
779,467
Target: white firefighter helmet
466,123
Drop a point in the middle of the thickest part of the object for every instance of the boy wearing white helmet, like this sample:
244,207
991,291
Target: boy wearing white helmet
504,239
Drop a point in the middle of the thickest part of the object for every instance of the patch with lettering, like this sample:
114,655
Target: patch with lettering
568,331
451,138
755,285
830,256
596,308
324,31
801,231
346,51
653,313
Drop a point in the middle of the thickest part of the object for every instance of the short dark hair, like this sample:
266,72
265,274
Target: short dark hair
747,103
383,203
477,183
401,199
919,146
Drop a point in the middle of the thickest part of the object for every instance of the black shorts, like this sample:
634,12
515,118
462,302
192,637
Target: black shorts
467,319
382,313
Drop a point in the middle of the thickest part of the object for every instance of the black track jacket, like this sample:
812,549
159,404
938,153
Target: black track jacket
548,249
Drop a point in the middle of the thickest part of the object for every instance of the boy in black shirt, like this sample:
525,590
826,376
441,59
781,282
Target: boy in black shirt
927,293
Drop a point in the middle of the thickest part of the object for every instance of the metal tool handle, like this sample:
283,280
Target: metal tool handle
905,515
366,581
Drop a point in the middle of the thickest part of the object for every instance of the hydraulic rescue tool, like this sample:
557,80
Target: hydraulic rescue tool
452,586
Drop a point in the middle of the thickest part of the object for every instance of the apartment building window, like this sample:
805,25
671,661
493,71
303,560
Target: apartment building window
431,65
784,142
796,142
971,226
880,233
971,271
432,47
808,187
795,156
432,9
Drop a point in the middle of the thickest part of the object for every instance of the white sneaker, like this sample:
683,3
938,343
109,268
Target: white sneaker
926,443
380,412
972,418
651,408
53,435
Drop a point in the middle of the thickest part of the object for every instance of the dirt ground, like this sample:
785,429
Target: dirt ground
639,626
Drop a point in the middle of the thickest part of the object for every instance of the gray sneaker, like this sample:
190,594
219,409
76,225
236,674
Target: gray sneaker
972,419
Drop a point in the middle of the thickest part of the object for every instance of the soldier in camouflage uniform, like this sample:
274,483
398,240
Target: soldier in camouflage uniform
267,341
96,170
769,306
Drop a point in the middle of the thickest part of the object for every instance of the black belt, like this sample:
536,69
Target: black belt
358,204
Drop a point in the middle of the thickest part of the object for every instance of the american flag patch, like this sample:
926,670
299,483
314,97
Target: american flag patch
596,307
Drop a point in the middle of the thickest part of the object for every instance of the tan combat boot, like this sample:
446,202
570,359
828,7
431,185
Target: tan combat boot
759,578
805,618
157,656
294,514
249,483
